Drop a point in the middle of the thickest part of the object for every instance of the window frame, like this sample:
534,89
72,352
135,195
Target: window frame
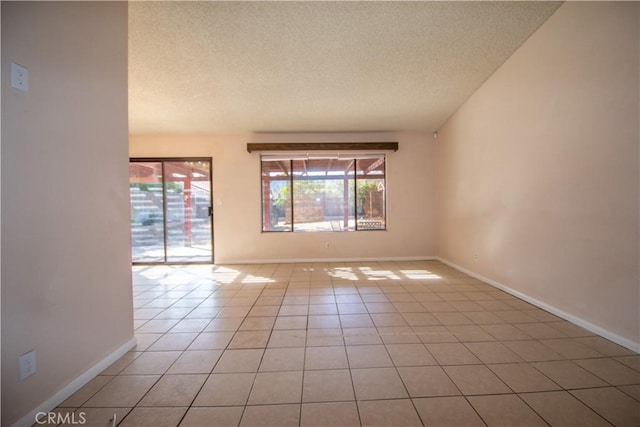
355,158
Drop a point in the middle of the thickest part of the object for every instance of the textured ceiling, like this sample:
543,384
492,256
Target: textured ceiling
226,67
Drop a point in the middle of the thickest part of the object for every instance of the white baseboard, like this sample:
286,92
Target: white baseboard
310,260
76,384
631,345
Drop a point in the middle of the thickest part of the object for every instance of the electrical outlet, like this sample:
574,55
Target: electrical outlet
475,256
327,245
19,77
27,365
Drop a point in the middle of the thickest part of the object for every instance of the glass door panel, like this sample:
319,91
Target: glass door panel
147,212
188,212
171,210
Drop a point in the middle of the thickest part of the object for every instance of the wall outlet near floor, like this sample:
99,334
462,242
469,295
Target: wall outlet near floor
19,77
27,365
475,256
327,245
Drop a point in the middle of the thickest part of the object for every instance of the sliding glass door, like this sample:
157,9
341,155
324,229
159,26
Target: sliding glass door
171,210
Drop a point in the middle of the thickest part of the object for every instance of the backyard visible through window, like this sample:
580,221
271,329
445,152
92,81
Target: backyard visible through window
170,210
323,193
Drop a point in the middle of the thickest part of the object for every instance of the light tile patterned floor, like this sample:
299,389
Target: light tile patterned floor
350,344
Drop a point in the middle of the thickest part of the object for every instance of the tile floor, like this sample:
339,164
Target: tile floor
353,344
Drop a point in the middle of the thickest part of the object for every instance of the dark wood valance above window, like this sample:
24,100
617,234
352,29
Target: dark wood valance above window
322,146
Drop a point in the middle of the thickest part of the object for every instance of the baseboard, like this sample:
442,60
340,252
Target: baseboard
311,260
631,345
76,384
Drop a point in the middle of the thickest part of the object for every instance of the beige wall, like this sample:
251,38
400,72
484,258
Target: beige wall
66,280
538,171
237,193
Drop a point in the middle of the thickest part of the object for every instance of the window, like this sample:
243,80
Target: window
323,193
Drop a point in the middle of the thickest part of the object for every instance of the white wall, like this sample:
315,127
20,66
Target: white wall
237,190
66,279
538,171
